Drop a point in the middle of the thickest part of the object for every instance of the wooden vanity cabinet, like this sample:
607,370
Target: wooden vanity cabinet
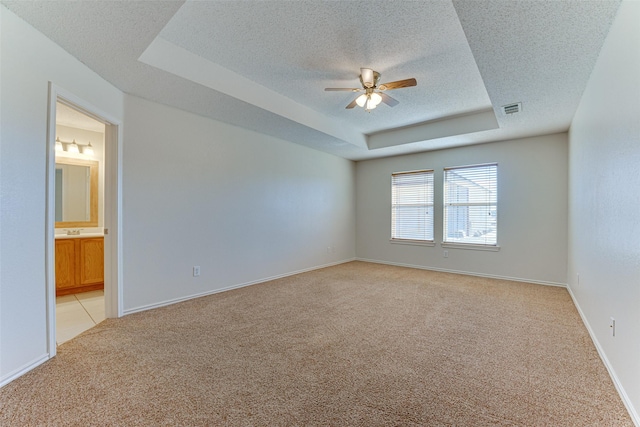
79,265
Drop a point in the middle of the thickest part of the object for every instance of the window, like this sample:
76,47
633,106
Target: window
412,206
471,205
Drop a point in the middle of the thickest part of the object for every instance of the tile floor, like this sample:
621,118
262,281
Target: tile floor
77,313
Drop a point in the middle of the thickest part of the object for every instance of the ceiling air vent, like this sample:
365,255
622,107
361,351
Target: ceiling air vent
512,108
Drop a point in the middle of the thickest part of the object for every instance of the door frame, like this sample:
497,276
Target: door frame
112,209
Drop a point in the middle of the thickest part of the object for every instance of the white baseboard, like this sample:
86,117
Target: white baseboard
23,370
228,288
466,273
612,373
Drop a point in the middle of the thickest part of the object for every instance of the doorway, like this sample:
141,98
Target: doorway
79,221
83,199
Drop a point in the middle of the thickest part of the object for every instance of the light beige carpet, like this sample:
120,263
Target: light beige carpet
358,344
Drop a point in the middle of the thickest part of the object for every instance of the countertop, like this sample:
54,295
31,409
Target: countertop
78,236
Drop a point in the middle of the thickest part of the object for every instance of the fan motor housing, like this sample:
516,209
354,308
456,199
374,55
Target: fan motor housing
376,79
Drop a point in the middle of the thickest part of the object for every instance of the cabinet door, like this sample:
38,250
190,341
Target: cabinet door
65,263
91,261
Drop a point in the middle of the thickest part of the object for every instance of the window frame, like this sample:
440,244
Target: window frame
491,205
430,205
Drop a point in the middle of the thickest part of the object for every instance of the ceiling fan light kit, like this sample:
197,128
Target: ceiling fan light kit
373,95
369,101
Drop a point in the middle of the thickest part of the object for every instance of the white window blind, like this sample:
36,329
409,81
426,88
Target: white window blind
471,205
412,205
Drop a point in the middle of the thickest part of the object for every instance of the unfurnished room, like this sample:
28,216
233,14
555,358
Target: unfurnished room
320,213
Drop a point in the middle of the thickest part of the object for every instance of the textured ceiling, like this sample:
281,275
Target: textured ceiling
263,65
325,49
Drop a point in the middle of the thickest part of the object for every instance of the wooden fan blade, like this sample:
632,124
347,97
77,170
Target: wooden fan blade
352,104
346,89
398,84
391,102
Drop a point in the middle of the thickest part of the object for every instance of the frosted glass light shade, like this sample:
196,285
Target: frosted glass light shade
59,146
73,147
376,98
361,100
87,149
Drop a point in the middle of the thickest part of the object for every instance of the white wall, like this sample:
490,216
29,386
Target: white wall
241,205
604,196
28,62
532,210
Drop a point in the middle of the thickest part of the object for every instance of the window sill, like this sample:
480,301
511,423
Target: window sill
470,246
413,242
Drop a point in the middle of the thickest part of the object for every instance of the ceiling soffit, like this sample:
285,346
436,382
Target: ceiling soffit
285,53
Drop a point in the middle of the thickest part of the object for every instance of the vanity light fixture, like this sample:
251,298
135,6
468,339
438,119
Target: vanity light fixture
74,147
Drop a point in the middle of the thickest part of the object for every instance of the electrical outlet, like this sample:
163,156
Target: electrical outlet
612,325
446,254
196,271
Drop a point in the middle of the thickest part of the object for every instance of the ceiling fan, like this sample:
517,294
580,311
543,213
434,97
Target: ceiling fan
373,92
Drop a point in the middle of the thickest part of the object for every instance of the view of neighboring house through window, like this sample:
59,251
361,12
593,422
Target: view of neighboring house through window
471,204
412,206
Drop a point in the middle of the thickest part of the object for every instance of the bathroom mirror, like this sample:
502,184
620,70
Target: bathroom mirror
76,183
